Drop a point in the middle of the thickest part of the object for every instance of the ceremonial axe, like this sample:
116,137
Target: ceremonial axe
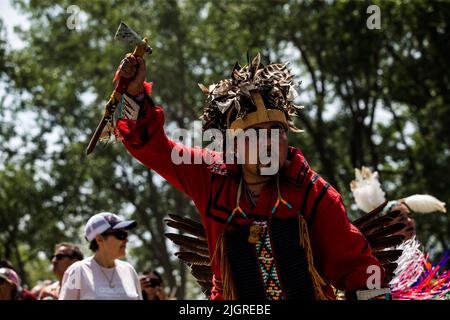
126,34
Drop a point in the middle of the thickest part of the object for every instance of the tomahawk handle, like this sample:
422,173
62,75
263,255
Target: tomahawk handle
109,110
116,95
98,131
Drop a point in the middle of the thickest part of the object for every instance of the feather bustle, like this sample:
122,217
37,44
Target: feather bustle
182,240
193,258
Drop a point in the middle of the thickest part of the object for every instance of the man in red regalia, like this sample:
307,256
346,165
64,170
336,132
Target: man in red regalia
272,234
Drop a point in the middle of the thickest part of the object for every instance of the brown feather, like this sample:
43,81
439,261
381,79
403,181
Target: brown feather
386,231
393,223
381,222
194,249
200,230
202,273
192,258
375,224
188,228
389,268
206,287
183,240
386,242
188,247
387,255
184,219
369,216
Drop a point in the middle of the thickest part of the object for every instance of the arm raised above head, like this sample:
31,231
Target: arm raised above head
142,132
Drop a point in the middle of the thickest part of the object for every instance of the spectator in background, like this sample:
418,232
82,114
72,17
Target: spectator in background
22,293
152,286
103,276
64,256
10,288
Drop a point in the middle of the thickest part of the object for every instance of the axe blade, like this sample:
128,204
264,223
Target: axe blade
128,35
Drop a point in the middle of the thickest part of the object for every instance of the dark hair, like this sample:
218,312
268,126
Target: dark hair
74,251
93,245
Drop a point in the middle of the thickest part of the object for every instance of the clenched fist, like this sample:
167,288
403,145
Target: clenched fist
133,67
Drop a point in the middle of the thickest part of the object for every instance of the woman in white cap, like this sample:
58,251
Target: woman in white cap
103,276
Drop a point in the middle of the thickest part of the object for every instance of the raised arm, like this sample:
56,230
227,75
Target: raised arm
142,132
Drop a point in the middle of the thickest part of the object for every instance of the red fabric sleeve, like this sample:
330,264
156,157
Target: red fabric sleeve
341,253
156,150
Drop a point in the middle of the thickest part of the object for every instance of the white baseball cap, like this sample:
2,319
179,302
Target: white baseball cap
103,221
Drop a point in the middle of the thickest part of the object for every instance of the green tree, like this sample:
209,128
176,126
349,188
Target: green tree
372,97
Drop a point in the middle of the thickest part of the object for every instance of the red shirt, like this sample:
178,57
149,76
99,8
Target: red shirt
341,253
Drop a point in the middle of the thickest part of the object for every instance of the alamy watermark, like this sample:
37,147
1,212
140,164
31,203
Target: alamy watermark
73,21
259,147
374,280
374,20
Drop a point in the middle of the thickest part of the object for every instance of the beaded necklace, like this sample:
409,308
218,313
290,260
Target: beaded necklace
256,230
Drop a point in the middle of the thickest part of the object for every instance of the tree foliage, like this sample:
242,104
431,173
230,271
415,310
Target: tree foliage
372,97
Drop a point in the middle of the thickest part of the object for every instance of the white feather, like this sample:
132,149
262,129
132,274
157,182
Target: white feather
367,190
424,203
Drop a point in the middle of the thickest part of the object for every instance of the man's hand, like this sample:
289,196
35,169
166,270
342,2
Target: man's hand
133,67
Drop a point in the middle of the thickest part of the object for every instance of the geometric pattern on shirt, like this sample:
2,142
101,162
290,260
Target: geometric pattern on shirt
267,265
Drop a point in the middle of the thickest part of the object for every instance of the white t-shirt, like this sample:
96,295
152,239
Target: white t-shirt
87,280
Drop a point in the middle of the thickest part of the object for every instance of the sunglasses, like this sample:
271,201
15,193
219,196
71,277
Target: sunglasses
60,256
118,234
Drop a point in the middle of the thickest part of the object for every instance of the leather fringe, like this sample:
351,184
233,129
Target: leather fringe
317,280
229,290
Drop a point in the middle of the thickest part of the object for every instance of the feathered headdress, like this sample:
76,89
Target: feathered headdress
254,94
